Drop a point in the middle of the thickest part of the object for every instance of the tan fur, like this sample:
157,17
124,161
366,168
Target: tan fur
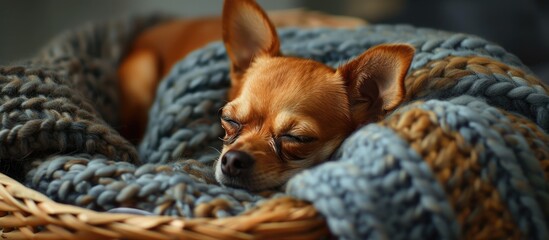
276,87
286,114
162,46
273,96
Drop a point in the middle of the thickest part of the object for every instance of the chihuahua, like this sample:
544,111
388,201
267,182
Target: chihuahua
154,52
286,114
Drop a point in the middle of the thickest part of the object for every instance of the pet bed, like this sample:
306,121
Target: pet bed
466,156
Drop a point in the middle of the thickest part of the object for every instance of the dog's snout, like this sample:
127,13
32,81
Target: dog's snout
235,163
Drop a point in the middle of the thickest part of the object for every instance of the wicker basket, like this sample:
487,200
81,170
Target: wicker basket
28,214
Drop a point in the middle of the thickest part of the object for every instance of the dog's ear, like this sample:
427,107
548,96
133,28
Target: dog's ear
247,33
375,80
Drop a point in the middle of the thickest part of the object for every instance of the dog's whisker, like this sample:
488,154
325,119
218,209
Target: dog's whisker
217,150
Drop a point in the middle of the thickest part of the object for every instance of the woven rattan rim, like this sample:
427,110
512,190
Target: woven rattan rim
27,214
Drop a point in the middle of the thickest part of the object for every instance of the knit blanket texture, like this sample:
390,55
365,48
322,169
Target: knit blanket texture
467,154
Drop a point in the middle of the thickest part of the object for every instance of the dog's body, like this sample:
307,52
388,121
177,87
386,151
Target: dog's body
156,50
286,114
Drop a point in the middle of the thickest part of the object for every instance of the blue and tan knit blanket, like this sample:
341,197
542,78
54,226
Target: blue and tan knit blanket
466,156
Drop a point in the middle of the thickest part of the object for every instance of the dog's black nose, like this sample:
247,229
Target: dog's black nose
235,163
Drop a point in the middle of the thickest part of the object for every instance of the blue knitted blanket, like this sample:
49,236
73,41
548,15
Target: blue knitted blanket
380,185
466,156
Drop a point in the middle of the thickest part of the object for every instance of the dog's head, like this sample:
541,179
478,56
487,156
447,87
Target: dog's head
286,114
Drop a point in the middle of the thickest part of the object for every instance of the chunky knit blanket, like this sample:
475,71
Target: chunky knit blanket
466,155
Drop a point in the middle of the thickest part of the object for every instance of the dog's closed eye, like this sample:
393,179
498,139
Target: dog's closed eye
293,147
297,138
232,129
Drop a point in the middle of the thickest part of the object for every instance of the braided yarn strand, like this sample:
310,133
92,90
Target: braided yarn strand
502,148
95,182
455,164
498,83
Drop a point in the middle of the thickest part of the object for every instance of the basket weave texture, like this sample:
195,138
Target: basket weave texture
467,155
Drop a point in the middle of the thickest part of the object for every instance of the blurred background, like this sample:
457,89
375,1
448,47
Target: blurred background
520,26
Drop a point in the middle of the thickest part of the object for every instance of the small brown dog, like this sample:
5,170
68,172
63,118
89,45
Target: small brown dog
286,114
157,49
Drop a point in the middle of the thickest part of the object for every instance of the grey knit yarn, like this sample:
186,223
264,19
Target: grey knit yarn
57,121
62,100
